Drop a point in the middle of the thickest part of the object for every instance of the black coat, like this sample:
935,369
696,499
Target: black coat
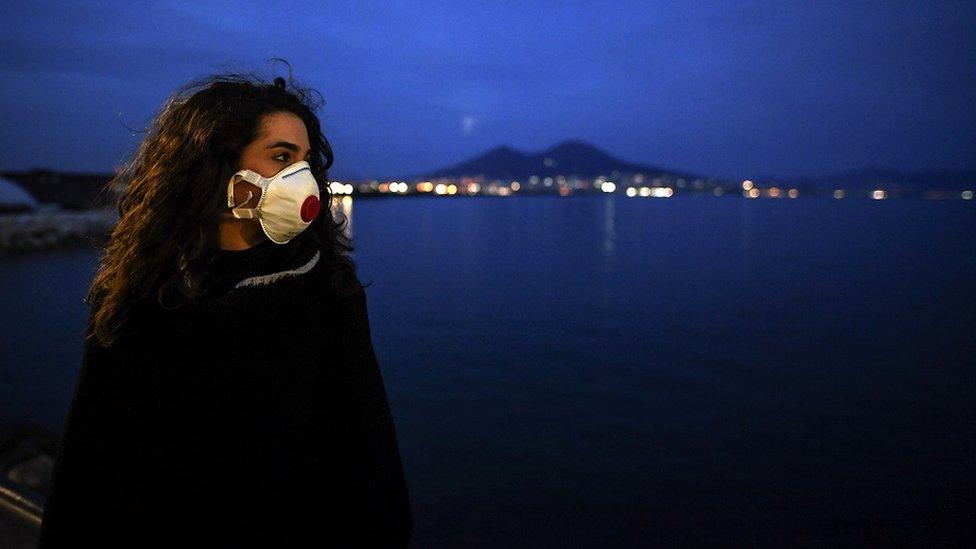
258,418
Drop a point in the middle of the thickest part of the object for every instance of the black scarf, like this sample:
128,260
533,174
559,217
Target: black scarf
254,418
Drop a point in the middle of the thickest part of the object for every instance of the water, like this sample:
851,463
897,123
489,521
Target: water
610,371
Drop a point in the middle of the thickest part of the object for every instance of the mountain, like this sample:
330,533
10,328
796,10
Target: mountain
69,190
569,157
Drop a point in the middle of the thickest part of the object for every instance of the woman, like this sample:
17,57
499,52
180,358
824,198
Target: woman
229,392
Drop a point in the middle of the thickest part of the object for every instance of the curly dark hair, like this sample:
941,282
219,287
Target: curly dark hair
174,190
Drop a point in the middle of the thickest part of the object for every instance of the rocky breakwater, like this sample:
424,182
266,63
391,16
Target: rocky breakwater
49,229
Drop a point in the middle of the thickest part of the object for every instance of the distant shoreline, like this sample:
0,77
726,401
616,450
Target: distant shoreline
26,232
55,228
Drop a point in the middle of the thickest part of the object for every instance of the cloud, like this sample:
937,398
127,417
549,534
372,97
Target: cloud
468,122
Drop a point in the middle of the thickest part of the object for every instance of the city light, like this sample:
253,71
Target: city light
337,187
657,186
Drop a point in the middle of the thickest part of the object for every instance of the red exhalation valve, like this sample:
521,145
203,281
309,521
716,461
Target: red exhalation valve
310,209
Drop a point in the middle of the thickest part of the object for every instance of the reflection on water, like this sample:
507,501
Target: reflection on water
609,250
606,370
745,239
345,209
609,229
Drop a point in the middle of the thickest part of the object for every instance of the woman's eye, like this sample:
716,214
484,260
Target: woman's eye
285,157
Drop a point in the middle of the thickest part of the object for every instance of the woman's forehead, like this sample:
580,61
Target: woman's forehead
284,126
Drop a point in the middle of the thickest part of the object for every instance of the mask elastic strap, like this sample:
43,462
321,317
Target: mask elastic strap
246,175
241,213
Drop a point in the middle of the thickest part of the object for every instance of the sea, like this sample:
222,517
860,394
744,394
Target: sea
606,371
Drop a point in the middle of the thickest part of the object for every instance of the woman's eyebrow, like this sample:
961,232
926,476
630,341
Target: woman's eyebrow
290,146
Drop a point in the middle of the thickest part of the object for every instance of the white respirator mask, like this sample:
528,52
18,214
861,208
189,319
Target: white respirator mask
289,201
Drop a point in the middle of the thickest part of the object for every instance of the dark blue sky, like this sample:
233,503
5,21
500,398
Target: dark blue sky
726,89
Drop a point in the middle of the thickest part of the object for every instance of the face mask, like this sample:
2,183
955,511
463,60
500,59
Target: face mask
288,204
